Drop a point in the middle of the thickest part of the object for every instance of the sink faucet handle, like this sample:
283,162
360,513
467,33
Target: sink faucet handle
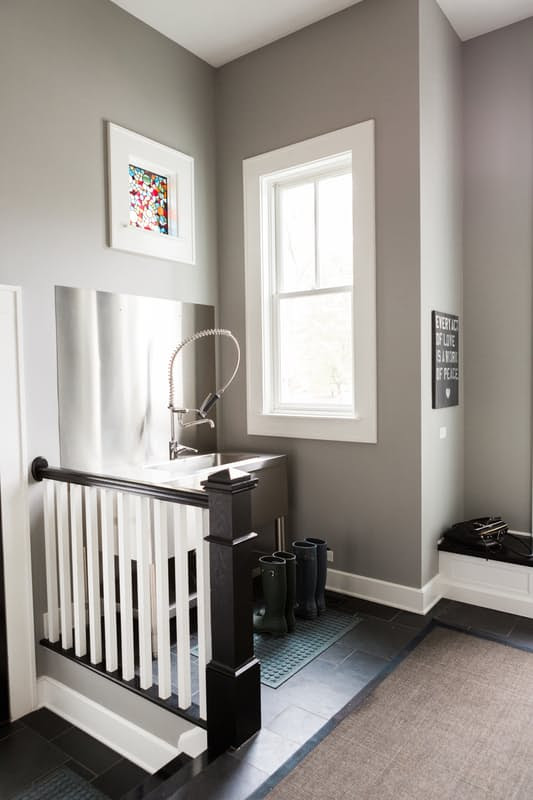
176,449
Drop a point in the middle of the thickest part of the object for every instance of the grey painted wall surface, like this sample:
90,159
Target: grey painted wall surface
498,251
65,67
356,65
441,269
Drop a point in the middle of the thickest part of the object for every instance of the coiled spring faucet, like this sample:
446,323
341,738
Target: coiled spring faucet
176,449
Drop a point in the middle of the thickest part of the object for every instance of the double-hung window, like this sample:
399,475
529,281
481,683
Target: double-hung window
310,288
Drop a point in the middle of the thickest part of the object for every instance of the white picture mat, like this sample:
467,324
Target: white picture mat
126,147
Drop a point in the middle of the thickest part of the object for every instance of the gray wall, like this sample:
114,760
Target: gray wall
441,269
498,251
356,65
65,67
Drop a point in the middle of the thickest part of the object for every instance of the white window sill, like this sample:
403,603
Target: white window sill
336,429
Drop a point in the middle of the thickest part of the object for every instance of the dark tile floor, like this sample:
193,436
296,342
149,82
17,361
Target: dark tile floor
292,714
296,711
41,742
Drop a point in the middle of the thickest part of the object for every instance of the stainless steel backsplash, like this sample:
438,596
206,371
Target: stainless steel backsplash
112,353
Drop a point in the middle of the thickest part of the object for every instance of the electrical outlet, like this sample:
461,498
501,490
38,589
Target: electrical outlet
330,555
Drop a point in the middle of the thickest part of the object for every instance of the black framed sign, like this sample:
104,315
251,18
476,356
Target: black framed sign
445,359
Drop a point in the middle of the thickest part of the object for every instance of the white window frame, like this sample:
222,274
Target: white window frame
259,173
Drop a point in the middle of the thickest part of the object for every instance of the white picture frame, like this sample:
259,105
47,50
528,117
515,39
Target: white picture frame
126,147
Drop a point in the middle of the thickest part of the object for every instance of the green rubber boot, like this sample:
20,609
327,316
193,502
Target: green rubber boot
274,581
290,571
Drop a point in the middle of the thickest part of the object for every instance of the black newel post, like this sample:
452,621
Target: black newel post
233,680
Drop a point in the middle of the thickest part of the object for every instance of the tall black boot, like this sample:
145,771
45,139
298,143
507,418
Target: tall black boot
274,582
305,553
290,571
321,571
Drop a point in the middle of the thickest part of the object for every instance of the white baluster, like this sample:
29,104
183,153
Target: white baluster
63,544
108,575
78,571
124,572
50,552
93,575
203,602
162,599
181,520
143,530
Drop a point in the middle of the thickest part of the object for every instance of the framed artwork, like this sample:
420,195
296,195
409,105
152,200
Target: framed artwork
151,197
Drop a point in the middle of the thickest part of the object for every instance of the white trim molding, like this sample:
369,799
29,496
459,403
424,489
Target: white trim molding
406,598
15,508
133,742
491,584
468,579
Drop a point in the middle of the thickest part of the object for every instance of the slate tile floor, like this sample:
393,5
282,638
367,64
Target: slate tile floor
300,707
292,714
41,742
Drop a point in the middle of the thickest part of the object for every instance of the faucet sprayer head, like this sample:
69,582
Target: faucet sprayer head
208,404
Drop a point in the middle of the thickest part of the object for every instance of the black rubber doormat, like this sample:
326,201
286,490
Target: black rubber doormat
63,784
282,656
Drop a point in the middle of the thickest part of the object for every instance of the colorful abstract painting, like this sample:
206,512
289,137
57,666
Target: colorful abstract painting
148,200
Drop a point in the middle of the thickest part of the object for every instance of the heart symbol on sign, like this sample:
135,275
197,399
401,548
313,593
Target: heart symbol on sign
448,394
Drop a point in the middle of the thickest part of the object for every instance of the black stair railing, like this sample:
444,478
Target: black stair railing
233,674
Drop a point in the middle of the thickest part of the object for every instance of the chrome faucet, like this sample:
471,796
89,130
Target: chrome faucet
175,449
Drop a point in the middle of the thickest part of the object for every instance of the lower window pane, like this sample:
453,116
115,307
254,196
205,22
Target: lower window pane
315,344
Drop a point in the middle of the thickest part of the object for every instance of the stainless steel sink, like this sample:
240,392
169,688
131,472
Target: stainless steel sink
269,499
186,465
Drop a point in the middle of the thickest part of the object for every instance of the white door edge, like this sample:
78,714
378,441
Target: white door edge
15,508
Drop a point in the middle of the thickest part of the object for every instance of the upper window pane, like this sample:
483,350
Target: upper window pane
335,224
315,350
296,237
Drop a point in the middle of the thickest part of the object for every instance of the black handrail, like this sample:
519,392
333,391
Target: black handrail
233,674
41,470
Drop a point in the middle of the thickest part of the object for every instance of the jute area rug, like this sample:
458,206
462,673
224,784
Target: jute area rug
453,721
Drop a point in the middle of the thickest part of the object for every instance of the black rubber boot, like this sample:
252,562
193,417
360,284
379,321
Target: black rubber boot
290,571
305,553
274,582
321,571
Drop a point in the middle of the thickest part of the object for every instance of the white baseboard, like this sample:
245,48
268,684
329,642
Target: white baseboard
406,598
467,579
491,584
131,741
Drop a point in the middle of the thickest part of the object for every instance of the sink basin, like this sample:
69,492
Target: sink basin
269,498
188,465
